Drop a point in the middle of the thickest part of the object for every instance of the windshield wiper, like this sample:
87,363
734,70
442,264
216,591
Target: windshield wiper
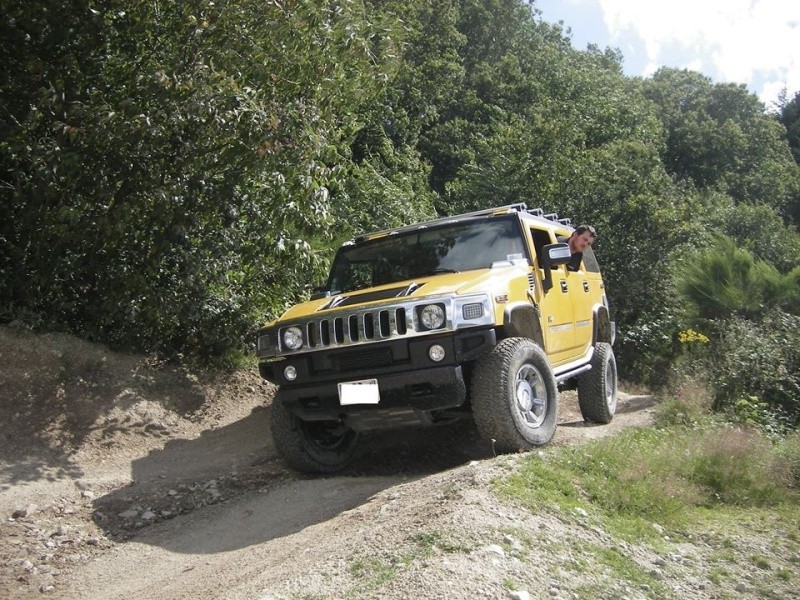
438,270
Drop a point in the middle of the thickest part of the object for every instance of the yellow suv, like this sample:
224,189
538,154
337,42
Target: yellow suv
475,314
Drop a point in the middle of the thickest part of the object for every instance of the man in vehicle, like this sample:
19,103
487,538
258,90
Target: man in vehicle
580,239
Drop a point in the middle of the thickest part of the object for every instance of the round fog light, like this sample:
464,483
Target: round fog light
436,352
290,373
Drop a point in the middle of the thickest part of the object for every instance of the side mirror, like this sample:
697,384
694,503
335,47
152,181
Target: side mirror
553,255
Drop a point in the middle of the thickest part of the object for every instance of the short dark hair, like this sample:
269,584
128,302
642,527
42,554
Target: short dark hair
581,229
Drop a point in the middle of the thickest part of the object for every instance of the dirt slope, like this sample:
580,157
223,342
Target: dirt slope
121,478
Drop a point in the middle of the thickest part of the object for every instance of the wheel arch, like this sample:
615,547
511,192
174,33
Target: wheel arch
604,329
522,320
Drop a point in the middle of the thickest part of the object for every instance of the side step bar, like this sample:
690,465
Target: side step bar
569,374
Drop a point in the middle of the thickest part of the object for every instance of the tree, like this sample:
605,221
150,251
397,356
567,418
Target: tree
758,229
724,281
720,137
196,141
789,117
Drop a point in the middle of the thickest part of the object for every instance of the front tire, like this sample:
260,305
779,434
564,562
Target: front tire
515,396
597,388
312,446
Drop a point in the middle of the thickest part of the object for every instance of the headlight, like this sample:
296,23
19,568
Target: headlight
432,316
292,338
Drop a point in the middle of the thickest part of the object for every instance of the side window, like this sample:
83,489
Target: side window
590,261
540,239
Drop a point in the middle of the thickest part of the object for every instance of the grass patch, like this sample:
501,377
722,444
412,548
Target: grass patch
429,541
660,476
762,562
623,568
724,555
371,573
512,585
654,486
718,575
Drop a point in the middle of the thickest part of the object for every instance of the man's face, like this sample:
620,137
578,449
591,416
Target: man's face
579,243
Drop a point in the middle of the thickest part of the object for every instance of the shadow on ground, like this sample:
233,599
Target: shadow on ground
197,481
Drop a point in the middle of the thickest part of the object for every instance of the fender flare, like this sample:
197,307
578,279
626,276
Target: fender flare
604,329
521,319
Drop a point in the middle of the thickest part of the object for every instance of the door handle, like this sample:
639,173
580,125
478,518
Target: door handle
563,286
585,286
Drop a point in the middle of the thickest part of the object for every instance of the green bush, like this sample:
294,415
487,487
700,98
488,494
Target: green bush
724,280
689,399
166,167
759,359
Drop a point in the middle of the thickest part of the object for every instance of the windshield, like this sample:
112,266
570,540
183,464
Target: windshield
444,249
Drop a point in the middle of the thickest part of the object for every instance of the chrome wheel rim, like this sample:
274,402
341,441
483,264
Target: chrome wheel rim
530,397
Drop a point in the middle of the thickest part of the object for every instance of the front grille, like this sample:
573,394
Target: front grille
358,327
343,328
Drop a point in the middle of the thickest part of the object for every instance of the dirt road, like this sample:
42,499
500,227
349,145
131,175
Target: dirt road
126,479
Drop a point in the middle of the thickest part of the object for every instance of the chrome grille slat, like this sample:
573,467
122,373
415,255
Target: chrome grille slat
353,328
344,328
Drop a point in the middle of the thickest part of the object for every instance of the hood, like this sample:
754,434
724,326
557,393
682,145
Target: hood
442,284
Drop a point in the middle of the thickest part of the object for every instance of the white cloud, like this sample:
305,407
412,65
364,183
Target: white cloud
755,42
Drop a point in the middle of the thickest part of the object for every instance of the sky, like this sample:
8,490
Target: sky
753,42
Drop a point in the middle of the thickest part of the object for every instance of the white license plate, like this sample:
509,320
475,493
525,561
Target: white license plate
359,392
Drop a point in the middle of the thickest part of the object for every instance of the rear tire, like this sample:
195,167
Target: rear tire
312,446
515,396
597,388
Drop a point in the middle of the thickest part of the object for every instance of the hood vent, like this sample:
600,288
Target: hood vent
412,287
340,301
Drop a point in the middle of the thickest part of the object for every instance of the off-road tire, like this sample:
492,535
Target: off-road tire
514,396
312,446
597,388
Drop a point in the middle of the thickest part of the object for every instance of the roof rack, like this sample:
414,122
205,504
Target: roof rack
508,208
518,207
554,217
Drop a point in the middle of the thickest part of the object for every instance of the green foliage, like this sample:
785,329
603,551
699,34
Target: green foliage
751,313
379,195
172,174
752,412
720,137
724,281
661,476
761,360
195,144
789,117
759,229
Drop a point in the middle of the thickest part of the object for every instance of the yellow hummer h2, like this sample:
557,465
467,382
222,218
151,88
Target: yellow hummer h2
475,314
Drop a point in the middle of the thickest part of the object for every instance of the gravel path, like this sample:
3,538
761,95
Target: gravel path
126,479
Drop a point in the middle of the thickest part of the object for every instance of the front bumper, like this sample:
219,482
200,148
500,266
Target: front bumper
411,385
405,398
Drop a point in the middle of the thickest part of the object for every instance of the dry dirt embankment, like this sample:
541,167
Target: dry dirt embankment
121,478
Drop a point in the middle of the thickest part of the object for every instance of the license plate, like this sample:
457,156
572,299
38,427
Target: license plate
359,392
